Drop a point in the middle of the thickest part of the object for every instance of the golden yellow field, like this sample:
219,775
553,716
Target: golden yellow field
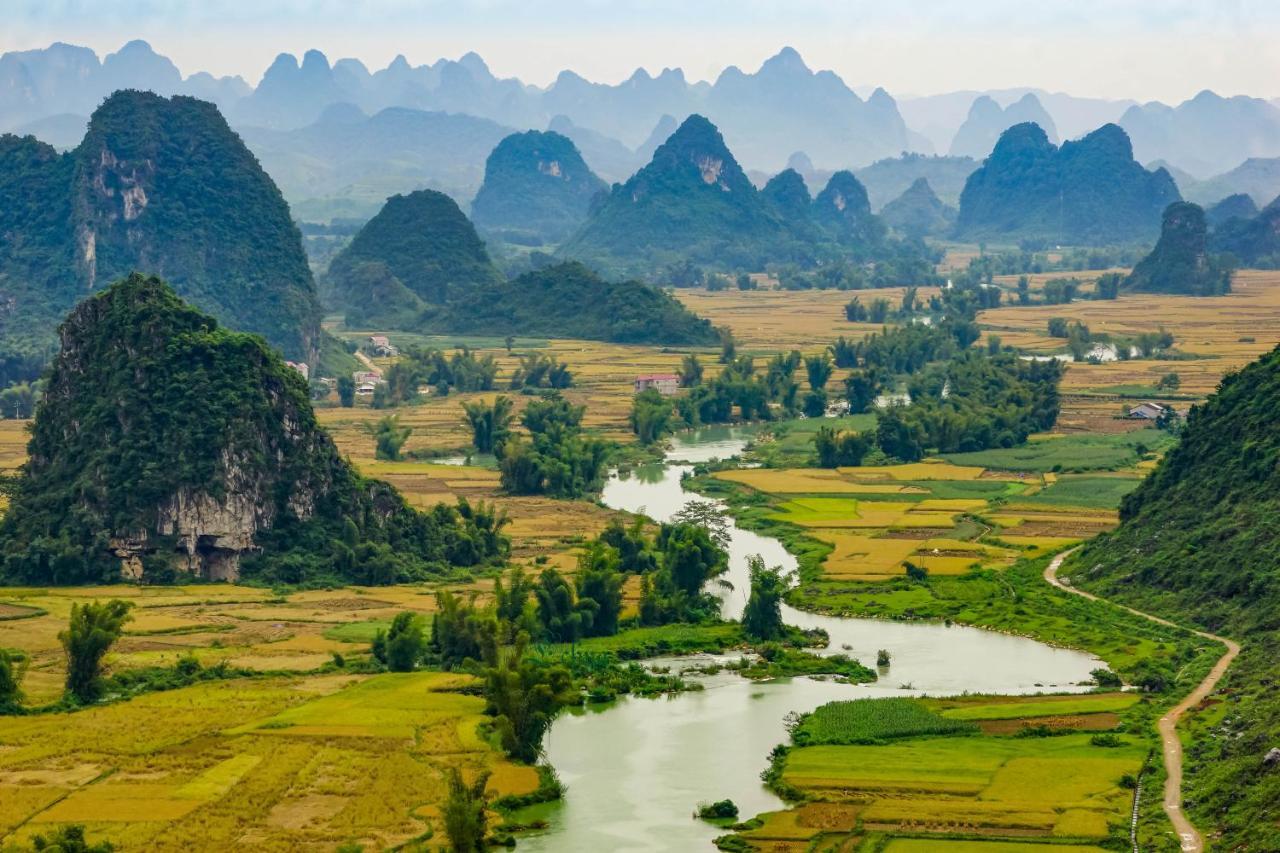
271,764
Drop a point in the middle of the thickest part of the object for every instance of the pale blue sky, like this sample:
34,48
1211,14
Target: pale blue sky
1145,49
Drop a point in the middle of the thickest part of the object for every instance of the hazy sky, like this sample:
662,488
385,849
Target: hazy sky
1144,49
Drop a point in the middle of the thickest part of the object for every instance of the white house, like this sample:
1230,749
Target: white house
380,345
301,367
1147,411
664,383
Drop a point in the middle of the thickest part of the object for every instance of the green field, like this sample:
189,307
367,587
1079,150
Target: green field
1032,707
792,442
863,720
1085,452
1092,492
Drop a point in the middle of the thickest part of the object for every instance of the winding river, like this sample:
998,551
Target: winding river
636,769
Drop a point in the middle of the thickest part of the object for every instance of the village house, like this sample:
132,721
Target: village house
380,345
366,381
1148,411
301,367
664,383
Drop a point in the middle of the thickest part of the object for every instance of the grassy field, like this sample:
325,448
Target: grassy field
1056,452
865,720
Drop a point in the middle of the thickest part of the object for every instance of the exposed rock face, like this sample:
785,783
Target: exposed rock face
536,188
178,441
158,185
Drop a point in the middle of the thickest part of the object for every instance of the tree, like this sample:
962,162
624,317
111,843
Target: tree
346,391
861,390
564,619
93,629
465,823
1169,382
599,585
691,556
690,371
389,437
745,282
839,449
1108,286
1024,290
728,346
490,424
69,838
403,644
994,344
10,693
650,417
1057,327
762,618
18,401
855,311
819,368
509,342
523,696
879,311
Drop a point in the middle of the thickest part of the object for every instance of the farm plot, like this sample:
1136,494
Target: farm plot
270,764
1062,787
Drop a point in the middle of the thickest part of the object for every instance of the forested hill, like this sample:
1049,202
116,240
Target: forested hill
1090,191
1203,531
161,185
536,189
570,301
692,201
420,266
1199,541
419,250
1181,262
167,447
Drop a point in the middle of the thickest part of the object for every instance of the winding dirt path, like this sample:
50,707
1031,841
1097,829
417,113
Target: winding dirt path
1192,841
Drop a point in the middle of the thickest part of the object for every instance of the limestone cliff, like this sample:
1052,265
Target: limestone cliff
167,447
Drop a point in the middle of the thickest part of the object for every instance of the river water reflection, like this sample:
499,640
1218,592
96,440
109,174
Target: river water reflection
636,769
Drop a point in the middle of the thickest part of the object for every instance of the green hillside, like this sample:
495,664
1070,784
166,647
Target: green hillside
161,185
1199,541
1181,262
167,447
537,189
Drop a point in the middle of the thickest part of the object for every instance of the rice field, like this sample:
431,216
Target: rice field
862,720
1061,787
272,764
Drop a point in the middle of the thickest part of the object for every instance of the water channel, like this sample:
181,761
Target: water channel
636,769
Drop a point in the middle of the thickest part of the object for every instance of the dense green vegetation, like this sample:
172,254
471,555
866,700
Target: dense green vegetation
1180,262
568,300
419,250
152,407
972,402
1088,192
93,629
1197,541
1254,242
558,459
918,212
872,720
158,184
536,189
694,206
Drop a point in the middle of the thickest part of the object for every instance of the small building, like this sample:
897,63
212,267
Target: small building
1148,411
664,383
301,367
364,389
380,345
366,377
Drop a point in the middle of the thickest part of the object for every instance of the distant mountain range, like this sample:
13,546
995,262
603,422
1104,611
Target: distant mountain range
290,120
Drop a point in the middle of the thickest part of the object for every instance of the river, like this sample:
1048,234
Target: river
636,769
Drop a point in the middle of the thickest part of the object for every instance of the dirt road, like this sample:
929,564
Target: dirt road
1192,841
